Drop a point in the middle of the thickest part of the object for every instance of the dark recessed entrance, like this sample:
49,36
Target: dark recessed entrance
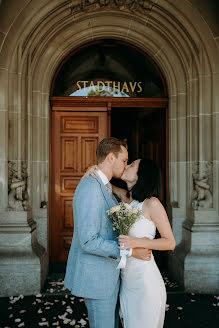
102,89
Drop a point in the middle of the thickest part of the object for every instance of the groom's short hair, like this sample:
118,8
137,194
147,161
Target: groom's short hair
109,145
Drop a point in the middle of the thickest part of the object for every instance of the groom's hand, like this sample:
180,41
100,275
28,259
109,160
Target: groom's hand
141,253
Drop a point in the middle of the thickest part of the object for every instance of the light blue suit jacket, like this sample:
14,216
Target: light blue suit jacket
91,269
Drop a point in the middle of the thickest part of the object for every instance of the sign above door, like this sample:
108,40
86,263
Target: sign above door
108,68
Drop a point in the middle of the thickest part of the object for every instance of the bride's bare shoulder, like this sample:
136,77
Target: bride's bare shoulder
152,202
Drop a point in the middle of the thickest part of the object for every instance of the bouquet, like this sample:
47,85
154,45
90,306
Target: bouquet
123,217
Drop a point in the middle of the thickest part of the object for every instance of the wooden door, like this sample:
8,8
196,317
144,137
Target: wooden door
75,136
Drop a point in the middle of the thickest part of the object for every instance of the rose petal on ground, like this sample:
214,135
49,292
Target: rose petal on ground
43,324
63,302
17,320
63,316
193,300
22,324
39,295
73,322
179,307
11,315
55,323
38,300
39,311
10,308
81,300
66,321
82,322
43,319
23,311
34,303
69,310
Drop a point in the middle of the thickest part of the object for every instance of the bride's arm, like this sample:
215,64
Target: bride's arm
122,194
159,217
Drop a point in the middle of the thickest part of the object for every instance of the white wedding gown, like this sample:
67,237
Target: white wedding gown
142,291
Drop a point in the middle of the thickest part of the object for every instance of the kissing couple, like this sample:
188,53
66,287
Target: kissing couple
91,270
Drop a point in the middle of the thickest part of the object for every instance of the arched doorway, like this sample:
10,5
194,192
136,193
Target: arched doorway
37,38
105,88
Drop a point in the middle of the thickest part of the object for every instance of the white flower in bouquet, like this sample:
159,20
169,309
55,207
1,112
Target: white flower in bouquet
124,216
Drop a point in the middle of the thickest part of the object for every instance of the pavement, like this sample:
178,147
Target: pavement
56,307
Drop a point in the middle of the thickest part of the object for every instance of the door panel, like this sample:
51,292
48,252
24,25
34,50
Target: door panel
75,136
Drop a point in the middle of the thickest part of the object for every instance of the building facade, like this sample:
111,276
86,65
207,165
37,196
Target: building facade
182,39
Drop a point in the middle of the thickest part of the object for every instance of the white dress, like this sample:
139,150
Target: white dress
142,291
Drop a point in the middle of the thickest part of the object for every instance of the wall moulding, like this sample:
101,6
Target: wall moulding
133,6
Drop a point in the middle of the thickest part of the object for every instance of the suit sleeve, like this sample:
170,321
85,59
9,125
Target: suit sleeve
88,207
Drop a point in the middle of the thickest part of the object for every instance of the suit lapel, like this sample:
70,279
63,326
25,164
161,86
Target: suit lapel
106,195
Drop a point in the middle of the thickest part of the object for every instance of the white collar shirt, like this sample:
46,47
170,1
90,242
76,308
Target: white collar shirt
102,176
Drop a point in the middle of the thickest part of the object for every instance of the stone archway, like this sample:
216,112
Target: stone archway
38,38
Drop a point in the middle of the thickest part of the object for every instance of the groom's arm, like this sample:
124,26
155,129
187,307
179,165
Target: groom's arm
88,207
141,254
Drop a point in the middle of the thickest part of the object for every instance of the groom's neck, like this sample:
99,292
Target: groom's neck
106,170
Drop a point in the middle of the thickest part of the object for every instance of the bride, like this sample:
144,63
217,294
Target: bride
142,291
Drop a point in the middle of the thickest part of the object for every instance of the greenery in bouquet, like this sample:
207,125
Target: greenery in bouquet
123,217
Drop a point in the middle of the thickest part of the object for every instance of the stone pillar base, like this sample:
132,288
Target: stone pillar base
195,261
23,261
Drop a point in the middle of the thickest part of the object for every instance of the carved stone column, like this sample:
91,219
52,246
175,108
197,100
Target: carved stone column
23,261
196,257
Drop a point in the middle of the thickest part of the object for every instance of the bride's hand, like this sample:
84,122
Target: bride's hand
91,170
127,242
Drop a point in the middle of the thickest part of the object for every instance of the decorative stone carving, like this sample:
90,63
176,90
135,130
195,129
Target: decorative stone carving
17,191
202,181
134,6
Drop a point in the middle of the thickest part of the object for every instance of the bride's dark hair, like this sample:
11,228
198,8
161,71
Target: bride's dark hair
149,181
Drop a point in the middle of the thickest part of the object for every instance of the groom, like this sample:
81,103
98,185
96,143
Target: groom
94,255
